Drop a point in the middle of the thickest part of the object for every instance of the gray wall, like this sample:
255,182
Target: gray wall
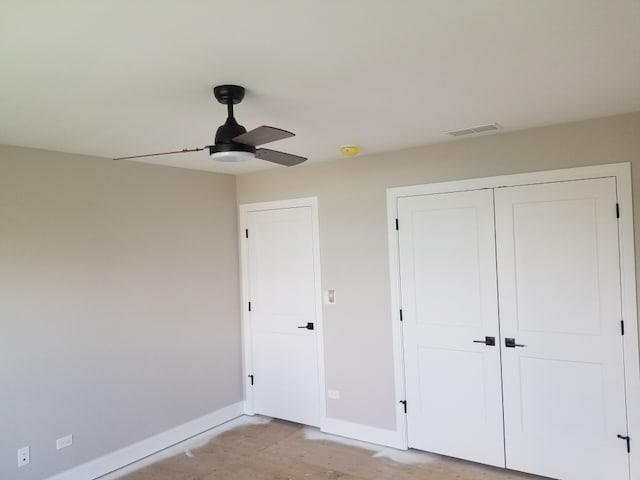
353,233
119,301
118,304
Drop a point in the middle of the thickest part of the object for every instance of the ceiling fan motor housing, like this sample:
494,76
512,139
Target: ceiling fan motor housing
224,138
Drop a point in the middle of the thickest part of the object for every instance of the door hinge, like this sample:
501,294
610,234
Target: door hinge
249,306
400,314
246,233
628,439
404,404
251,378
621,327
397,225
617,210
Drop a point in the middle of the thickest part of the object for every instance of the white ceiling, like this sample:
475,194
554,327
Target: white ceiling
123,77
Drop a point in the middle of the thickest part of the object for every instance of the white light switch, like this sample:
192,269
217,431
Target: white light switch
333,394
330,297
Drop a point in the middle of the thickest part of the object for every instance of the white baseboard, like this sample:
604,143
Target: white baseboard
137,451
364,433
248,408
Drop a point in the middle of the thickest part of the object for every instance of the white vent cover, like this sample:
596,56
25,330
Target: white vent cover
479,129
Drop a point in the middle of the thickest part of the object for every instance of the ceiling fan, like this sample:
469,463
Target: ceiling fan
233,143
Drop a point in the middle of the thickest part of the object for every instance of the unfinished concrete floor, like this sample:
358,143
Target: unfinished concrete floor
278,450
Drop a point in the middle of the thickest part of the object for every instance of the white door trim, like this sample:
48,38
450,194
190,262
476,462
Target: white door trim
622,174
311,202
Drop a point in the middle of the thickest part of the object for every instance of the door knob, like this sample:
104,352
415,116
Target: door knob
308,326
511,343
490,341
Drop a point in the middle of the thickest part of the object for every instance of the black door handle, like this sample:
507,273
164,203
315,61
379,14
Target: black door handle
308,326
511,343
490,341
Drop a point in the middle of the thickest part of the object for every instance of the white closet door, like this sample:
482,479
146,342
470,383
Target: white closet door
448,279
559,283
282,291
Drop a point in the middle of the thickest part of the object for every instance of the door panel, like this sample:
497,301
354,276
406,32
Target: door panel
448,283
557,233
466,384
550,404
448,238
558,272
281,279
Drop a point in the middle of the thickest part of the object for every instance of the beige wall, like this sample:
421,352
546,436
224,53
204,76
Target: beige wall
118,304
353,233
119,301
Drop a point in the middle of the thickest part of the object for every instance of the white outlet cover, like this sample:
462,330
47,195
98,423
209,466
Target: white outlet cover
333,394
24,456
64,442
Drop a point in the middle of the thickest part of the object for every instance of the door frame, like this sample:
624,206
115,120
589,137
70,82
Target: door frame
622,173
243,210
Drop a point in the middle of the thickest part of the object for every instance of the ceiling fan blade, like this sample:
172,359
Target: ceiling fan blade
184,150
262,135
281,158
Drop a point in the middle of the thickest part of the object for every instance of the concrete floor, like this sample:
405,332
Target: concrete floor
278,450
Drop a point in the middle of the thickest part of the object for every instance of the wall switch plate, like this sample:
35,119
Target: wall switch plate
330,297
64,442
24,456
333,394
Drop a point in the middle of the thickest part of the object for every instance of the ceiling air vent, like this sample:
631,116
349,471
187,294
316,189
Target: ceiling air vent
479,129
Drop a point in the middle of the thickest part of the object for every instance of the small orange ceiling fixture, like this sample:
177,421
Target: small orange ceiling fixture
349,150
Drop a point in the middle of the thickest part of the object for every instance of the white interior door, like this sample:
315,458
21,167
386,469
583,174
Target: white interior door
282,292
449,304
559,283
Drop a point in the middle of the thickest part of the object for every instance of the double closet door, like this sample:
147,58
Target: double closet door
513,351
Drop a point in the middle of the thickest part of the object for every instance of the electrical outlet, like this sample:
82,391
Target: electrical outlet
64,442
333,394
24,457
